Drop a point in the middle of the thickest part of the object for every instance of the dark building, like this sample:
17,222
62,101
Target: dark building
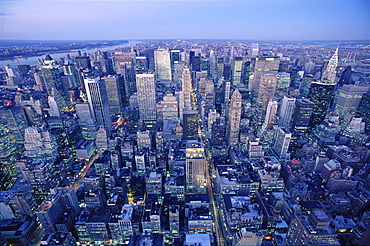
83,62
218,133
20,232
300,120
191,121
322,95
346,76
363,111
195,63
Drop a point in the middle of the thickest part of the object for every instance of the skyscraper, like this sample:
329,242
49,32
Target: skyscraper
281,144
329,74
86,120
190,124
114,94
146,97
286,111
322,95
235,111
266,90
162,64
98,101
51,80
269,117
363,110
301,118
195,168
263,65
348,99
187,88
237,68
170,108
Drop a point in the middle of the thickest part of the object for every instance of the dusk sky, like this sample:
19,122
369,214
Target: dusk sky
251,20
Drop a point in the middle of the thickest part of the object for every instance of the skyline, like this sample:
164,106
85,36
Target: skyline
239,20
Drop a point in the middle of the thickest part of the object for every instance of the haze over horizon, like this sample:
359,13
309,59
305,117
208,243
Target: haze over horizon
279,20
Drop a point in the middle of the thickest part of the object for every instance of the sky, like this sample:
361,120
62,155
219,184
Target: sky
136,20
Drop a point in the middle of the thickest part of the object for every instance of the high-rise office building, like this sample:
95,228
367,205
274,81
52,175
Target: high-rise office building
98,101
237,68
190,125
346,76
40,144
281,144
329,74
283,80
226,91
218,132
83,62
266,90
146,97
286,112
86,121
235,111
322,95
51,80
254,50
170,108
195,167
263,65
187,88
112,85
101,140
269,117
363,110
58,210
162,63
348,99
301,118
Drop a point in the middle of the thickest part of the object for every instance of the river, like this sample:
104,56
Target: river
32,60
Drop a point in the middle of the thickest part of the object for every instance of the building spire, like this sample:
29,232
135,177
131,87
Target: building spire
329,74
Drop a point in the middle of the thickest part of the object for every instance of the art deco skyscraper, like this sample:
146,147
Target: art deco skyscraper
98,101
235,112
186,88
146,97
329,74
162,63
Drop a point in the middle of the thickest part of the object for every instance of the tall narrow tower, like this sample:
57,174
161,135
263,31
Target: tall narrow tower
98,101
146,97
329,74
235,112
286,112
186,88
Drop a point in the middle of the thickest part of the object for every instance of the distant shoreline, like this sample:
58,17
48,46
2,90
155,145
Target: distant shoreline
13,49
